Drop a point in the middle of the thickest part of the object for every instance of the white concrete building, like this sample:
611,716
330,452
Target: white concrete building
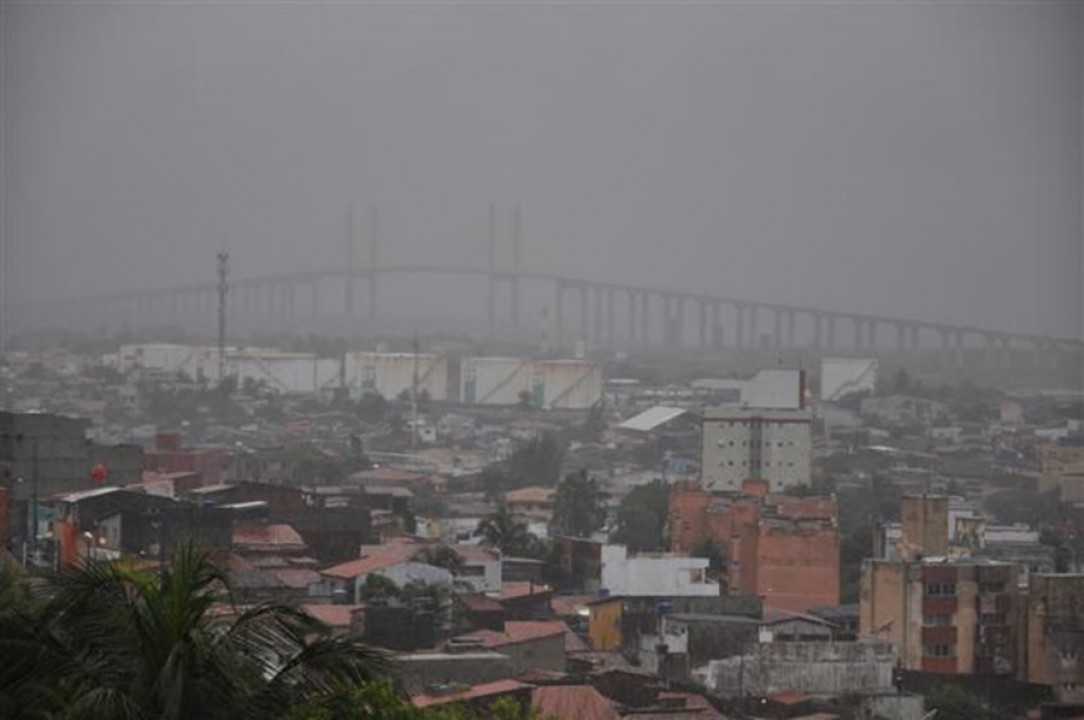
770,388
654,574
738,444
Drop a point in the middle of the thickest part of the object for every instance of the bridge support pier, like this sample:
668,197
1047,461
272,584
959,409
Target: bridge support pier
777,329
596,331
702,319
584,310
739,326
645,319
792,332
559,315
611,320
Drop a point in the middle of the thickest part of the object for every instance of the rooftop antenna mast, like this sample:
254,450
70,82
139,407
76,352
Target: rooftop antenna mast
223,289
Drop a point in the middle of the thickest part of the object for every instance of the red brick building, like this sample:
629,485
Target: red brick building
782,549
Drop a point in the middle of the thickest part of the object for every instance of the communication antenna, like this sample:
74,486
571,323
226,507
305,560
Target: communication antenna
223,289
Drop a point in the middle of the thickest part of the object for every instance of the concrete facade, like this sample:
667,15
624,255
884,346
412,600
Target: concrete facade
780,548
654,574
1055,634
925,525
851,668
738,444
957,616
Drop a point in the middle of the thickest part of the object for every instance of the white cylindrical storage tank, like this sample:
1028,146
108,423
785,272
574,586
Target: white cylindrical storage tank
566,384
391,374
494,380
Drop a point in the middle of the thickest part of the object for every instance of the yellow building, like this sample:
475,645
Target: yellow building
604,623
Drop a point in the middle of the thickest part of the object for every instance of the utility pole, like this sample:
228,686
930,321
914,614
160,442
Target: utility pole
414,398
223,288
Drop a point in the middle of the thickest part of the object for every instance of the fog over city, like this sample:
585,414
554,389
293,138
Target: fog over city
911,159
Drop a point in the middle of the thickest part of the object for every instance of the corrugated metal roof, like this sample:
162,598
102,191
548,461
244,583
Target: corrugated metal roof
651,418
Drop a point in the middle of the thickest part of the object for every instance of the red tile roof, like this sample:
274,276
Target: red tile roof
518,632
370,563
480,603
473,554
569,605
512,590
296,578
390,474
582,702
501,687
279,536
334,616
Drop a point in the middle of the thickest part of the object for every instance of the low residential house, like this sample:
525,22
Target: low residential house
476,698
342,619
532,503
532,644
398,477
526,600
480,571
392,563
582,702
272,539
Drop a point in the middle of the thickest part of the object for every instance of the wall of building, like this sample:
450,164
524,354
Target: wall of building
813,668
740,444
1055,634
925,524
783,549
655,574
604,624
797,565
944,617
417,670
544,653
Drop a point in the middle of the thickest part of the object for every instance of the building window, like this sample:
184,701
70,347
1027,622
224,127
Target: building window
941,589
939,651
992,588
992,619
936,620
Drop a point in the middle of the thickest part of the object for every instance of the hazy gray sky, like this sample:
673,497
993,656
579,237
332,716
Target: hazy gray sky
917,159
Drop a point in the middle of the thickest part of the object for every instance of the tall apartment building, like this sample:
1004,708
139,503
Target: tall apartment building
945,615
782,549
742,443
1055,634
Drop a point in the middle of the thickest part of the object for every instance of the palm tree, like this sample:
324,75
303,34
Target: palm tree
501,530
111,641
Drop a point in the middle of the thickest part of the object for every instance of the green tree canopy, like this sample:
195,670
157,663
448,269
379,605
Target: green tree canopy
577,506
501,530
642,516
537,461
109,641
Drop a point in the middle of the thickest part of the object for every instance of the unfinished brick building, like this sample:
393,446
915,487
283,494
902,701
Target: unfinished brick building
782,549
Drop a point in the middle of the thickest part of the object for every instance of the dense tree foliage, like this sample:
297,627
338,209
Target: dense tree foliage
642,516
577,506
381,700
861,509
501,530
105,640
